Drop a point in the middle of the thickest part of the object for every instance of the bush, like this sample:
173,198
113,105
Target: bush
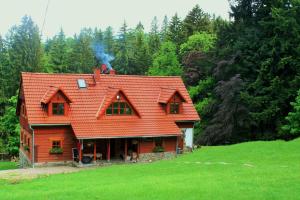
56,151
158,149
26,148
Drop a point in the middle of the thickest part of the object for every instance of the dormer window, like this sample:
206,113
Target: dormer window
174,105
58,109
119,108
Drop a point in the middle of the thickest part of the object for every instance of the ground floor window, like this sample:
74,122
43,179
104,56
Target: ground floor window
158,145
56,147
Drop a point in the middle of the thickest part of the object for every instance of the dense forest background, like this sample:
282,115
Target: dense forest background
243,75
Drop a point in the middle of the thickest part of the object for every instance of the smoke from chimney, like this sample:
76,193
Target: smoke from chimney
101,56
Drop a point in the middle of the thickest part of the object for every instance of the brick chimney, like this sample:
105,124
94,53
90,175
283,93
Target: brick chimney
112,72
104,69
97,72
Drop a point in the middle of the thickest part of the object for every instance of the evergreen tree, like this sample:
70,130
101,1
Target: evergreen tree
82,58
109,40
24,50
196,21
122,56
58,55
175,33
154,38
164,29
141,58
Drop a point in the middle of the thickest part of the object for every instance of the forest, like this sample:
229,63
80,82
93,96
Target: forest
242,74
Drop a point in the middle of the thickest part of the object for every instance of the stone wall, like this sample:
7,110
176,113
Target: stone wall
23,160
148,157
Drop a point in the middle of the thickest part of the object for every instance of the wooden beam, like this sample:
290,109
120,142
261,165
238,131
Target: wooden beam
80,151
95,151
125,152
108,150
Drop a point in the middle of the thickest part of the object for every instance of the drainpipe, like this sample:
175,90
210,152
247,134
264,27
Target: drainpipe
32,145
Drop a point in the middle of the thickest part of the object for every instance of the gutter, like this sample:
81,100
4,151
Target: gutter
30,126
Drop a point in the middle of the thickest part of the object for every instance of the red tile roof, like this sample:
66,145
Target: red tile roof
166,94
88,105
51,92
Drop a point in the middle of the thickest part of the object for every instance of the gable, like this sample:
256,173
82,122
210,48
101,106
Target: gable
55,93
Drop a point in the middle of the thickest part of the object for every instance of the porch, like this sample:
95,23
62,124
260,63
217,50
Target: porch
106,150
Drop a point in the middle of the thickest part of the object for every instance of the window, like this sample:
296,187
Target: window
174,108
56,144
119,108
58,108
174,105
81,83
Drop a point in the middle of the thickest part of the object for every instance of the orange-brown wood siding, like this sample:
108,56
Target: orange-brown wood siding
147,145
43,140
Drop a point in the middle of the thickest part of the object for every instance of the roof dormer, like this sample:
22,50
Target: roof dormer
56,102
171,100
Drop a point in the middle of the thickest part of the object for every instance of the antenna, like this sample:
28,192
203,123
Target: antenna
46,11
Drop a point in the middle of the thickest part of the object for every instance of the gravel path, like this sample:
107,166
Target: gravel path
30,173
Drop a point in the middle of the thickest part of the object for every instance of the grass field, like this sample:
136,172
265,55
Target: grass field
8,165
254,170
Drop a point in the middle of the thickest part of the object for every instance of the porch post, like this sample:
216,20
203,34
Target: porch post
108,150
95,151
125,152
80,150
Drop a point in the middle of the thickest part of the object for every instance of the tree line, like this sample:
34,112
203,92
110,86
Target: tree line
242,74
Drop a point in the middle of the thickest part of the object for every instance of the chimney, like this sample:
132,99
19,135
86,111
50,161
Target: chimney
97,73
112,72
103,69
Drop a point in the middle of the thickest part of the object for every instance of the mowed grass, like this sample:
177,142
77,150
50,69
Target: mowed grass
8,165
254,170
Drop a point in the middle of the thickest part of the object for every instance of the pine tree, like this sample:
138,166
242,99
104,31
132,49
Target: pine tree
122,56
24,50
175,33
164,29
141,58
58,54
108,40
82,58
196,21
154,39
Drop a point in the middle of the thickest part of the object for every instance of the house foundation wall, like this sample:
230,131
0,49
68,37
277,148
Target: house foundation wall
23,160
148,157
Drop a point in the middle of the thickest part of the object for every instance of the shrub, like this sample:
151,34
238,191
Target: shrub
26,148
56,151
158,149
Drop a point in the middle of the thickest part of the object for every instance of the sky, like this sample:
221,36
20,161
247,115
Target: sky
73,15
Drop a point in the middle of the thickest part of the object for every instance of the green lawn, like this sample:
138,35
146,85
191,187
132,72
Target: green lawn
254,170
8,165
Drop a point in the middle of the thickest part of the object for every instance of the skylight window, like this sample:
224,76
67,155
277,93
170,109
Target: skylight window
81,83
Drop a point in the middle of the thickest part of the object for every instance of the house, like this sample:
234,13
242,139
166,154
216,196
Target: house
102,117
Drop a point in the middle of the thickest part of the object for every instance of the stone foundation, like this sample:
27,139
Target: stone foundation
23,160
148,157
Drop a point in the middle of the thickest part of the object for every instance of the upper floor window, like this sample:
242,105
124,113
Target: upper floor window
58,108
119,108
174,108
174,105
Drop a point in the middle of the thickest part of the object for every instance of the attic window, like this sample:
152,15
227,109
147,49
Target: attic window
81,83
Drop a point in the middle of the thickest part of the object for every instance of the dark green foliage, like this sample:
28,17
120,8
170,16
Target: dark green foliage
10,128
56,150
292,126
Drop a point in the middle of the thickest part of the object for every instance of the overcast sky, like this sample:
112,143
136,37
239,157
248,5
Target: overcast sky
72,15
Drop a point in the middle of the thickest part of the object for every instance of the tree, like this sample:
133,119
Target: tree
292,125
154,38
230,115
164,29
82,58
175,33
122,56
24,50
58,53
196,21
4,70
141,59
9,127
108,40
165,62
